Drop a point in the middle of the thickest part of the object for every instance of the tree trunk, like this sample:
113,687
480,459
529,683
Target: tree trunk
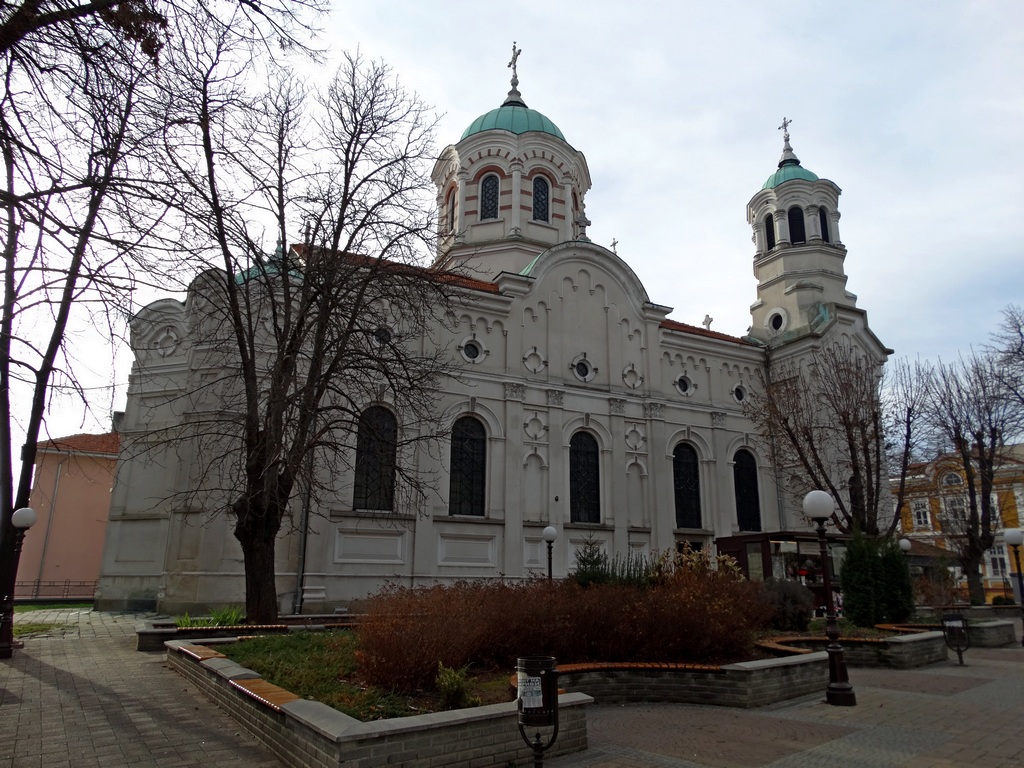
975,586
260,581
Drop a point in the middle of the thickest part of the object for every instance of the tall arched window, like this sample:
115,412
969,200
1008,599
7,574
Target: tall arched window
469,468
584,479
686,478
823,220
748,503
451,211
541,199
489,197
376,445
797,234
769,232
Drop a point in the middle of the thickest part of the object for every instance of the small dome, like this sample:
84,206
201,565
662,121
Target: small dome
788,173
514,119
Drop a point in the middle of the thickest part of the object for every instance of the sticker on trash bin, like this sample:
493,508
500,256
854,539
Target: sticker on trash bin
530,692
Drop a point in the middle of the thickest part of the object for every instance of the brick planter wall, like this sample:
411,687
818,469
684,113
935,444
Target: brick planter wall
308,734
747,684
902,652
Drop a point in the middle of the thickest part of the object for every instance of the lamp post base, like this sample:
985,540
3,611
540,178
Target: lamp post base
840,695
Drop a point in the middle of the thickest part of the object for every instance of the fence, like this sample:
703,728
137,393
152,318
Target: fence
54,590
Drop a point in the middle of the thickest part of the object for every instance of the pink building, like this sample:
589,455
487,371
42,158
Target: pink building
71,495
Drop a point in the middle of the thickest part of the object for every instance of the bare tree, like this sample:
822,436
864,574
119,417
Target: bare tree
300,341
1007,346
971,417
825,423
78,119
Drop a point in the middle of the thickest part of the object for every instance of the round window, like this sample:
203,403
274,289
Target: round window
685,386
776,322
739,393
472,350
382,335
582,369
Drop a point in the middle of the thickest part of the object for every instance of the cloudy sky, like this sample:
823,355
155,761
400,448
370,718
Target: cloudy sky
913,108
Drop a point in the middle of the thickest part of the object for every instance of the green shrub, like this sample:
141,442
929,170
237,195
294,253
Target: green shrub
1002,600
876,582
230,616
793,602
453,685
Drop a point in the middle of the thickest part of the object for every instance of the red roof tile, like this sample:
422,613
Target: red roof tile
109,443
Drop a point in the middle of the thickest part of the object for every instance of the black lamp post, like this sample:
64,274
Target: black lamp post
549,535
1015,537
21,520
819,506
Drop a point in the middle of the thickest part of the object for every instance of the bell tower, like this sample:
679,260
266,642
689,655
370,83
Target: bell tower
511,188
798,257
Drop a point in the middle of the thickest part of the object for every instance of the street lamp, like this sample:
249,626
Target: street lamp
22,520
905,545
1015,537
819,506
549,535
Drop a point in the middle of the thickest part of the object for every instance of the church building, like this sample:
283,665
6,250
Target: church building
580,404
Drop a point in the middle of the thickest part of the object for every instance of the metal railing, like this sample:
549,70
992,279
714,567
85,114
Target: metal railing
54,590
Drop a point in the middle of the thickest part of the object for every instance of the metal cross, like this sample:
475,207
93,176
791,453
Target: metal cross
615,244
515,57
708,320
786,122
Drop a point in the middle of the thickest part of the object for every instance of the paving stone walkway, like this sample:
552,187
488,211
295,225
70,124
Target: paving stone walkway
81,695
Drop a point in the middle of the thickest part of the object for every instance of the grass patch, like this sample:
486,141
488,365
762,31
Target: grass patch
231,616
847,629
51,607
29,628
323,666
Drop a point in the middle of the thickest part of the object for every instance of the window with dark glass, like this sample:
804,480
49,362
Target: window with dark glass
686,478
584,479
451,211
797,234
823,220
469,468
748,503
376,445
489,197
769,232
541,199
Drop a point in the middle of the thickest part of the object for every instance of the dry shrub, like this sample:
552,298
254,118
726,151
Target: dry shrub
692,611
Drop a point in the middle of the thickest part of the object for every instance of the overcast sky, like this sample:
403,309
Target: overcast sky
913,108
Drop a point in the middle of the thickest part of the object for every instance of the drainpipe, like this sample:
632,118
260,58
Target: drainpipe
300,575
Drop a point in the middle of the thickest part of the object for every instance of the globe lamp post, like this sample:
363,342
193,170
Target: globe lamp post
21,520
1015,537
819,506
549,535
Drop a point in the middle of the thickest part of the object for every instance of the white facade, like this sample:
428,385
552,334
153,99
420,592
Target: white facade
559,338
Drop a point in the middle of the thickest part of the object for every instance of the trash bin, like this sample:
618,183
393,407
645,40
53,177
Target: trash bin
537,691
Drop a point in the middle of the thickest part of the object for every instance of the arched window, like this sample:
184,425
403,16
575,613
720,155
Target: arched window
686,478
769,232
451,211
541,199
797,234
376,444
469,468
748,503
823,220
584,479
489,197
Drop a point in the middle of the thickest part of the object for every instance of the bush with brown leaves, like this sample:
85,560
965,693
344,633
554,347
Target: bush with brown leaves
694,610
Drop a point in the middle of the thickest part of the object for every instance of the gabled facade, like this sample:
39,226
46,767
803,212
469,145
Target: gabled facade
579,403
936,501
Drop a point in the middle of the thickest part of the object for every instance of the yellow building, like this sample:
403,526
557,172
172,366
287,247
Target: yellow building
935,509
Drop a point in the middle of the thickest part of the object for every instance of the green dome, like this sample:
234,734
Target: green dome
789,172
514,119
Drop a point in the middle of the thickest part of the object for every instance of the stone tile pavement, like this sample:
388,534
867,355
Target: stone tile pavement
81,695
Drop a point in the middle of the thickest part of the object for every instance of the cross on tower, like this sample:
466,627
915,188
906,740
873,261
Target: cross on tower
785,128
515,58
